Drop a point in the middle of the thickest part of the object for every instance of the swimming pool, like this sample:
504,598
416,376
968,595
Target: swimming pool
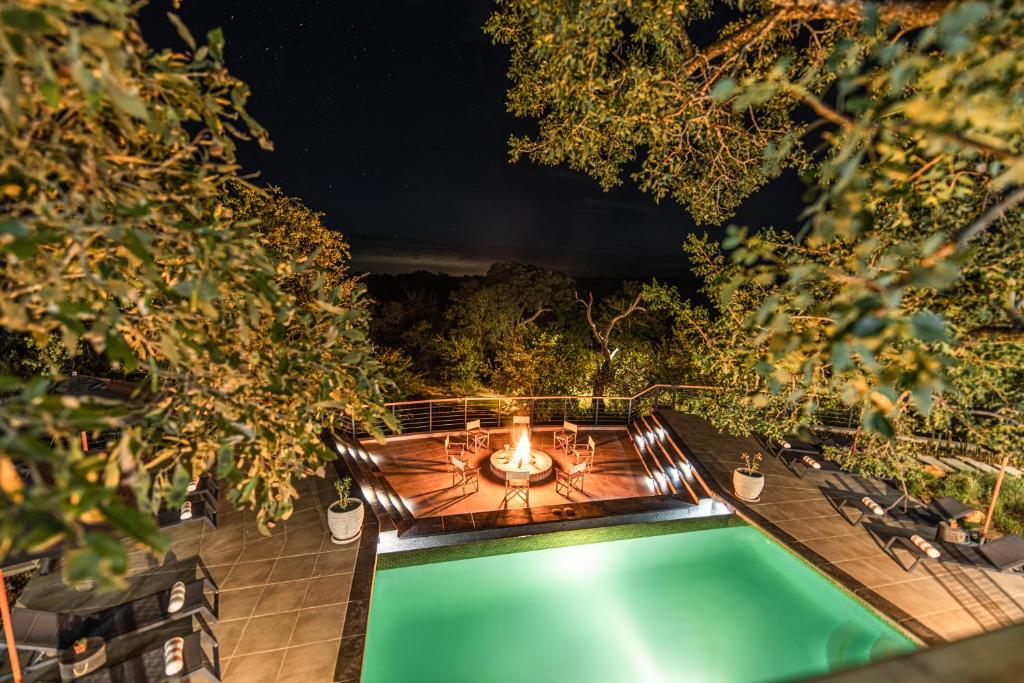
716,605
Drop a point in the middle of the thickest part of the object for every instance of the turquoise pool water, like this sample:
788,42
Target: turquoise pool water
720,605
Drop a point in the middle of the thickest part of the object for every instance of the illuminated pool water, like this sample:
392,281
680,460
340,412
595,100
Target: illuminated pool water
719,605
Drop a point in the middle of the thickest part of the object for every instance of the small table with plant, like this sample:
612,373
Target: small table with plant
84,656
952,528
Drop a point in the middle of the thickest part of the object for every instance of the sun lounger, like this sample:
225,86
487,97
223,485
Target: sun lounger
855,508
1005,554
185,657
50,632
919,547
199,506
797,458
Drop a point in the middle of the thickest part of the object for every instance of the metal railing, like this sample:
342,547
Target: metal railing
494,412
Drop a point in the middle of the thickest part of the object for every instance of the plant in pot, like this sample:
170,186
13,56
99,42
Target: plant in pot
747,481
345,515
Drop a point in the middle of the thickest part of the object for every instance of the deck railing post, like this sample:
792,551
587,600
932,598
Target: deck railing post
430,416
565,410
597,409
465,410
629,412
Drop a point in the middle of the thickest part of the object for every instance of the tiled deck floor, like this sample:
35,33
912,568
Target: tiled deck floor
953,600
283,599
417,470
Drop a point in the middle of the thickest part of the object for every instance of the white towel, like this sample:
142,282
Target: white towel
873,506
174,658
177,597
193,485
811,462
925,547
186,510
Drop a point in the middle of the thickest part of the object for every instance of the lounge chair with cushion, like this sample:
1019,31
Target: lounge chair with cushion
1005,554
199,506
857,507
175,655
917,545
798,459
50,632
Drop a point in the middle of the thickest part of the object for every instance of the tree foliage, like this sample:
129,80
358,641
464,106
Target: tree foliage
116,234
900,294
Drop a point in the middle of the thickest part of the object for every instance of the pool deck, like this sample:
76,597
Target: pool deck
292,607
937,602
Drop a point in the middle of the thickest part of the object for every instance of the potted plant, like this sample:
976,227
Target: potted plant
345,515
747,481
951,532
80,646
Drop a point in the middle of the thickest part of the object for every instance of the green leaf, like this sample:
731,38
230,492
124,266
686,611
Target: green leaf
182,30
928,327
27,20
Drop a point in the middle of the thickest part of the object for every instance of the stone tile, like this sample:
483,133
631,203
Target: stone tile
238,604
248,574
303,541
257,668
262,549
310,663
336,562
227,634
293,568
270,632
328,590
281,597
851,547
319,623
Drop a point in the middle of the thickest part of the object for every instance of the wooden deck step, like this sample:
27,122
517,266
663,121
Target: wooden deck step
934,462
978,465
957,464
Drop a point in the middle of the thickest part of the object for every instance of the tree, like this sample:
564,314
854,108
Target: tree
610,83
116,234
616,311
901,293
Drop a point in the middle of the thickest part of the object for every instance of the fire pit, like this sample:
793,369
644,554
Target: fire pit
523,459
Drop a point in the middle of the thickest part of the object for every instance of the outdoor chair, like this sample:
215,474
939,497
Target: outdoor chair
565,438
1005,554
189,658
454,445
45,634
476,436
586,454
517,485
572,480
199,506
916,544
463,474
519,423
856,508
797,459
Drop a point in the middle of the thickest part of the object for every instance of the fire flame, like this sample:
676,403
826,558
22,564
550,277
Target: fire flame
523,457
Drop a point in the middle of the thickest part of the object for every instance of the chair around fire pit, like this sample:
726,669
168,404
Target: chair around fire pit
464,474
517,485
572,480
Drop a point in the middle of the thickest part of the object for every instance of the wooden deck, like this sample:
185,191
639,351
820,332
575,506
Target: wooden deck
417,470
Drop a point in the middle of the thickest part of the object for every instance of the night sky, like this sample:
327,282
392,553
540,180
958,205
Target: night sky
390,118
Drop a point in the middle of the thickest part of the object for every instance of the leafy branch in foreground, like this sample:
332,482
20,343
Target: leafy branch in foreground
116,161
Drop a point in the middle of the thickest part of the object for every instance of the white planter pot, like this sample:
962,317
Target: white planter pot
346,526
747,485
